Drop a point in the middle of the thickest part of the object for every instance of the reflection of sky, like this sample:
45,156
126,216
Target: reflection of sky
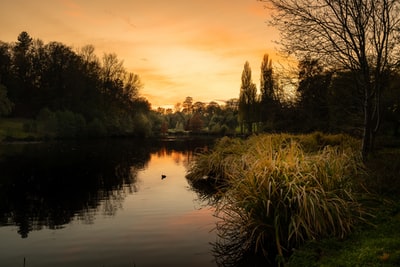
162,224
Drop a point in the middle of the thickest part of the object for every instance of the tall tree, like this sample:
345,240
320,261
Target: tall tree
21,71
356,35
188,105
268,98
5,61
247,100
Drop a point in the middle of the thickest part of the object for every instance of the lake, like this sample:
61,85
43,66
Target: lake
103,203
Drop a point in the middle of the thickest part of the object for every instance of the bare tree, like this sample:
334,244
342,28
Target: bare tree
361,36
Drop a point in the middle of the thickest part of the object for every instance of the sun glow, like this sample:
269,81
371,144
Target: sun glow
178,48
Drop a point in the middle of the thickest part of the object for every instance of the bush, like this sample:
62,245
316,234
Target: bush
46,121
142,125
70,125
96,128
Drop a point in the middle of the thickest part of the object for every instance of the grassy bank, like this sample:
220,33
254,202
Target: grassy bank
276,193
373,244
16,129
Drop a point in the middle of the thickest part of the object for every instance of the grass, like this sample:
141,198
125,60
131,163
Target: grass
278,191
376,244
14,129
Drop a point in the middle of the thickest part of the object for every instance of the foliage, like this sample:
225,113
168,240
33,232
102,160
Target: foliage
275,196
247,100
96,128
269,102
375,244
356,36
6,105
52,76
313,85
204,118
13,129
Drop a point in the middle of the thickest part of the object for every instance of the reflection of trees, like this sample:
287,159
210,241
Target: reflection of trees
50,184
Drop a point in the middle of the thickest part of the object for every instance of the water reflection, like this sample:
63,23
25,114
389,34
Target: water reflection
50,184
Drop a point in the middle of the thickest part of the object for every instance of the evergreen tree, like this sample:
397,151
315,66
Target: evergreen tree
268,97
247,100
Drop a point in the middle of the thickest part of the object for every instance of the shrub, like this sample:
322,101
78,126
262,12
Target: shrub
70,125
46,122
96,128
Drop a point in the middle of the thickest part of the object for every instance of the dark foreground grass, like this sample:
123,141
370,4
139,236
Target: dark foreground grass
375,244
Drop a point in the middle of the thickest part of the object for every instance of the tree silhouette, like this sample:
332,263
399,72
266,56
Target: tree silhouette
247,100
313,87
356,35
268,97
5,104
71,86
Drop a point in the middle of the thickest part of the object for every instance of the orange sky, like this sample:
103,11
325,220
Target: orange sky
178,48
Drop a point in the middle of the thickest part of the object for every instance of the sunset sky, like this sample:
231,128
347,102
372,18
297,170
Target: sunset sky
179,48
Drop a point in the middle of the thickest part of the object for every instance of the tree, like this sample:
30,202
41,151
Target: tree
195,123
21,69
35,76
199,107
345,104
188,105
5,104
268,98
313,88
247,99
356,35
132,86
5,61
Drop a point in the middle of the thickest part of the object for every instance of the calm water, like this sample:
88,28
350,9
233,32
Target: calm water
102,203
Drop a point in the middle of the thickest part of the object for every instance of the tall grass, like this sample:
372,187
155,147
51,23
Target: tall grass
275,195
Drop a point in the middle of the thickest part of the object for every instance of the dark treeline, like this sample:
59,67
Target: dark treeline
66,93
69,93
314,99
318,99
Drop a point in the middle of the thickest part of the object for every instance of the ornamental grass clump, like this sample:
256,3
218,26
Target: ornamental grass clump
277,196
215,166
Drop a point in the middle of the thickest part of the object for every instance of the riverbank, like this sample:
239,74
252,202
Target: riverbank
13,129
349,218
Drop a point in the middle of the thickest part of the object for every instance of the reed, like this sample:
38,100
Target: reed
276,196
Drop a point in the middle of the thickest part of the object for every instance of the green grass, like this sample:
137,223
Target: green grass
14,129
373,245
377,244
